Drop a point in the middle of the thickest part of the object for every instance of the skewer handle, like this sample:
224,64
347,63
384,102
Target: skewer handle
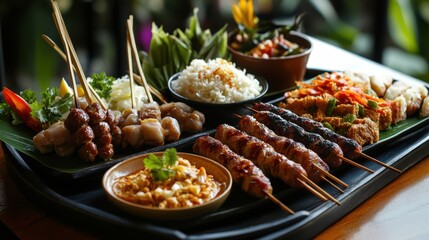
280,204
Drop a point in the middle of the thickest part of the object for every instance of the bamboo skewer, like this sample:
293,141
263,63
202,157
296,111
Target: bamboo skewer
60,25
312,190
130,34
137,78
353,163
153,90
332,184
280,204
63,55
320,190
59,22
332,177
69,61
130,69
379,162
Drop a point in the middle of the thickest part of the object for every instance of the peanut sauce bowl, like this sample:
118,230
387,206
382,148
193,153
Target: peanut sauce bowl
134,164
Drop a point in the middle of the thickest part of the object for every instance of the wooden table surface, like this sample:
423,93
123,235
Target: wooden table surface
398,211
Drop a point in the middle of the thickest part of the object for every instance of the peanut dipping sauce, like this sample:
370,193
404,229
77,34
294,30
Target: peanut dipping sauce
189,187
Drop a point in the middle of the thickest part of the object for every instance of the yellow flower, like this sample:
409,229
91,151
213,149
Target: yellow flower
244,14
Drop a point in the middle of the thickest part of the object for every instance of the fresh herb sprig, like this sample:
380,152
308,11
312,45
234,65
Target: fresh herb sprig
102,84
51,107
160,167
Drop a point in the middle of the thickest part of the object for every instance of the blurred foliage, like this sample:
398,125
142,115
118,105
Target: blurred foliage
97,30
405,44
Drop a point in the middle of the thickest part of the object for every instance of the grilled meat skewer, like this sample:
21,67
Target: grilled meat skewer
270,161
350,147
315,167
243,171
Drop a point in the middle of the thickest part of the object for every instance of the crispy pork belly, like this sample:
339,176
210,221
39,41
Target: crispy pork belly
42,143
131,136
364,131
190,120
152,132
56,138
344,109
171,128
150,110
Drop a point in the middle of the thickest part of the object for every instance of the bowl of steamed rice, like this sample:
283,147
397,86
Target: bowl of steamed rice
216,83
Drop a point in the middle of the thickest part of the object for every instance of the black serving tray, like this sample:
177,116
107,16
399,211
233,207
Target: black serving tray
240,217
81,198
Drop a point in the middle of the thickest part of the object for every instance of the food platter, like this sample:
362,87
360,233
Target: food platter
241,215
70,168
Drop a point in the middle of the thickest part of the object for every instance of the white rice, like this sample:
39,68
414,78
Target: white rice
216,81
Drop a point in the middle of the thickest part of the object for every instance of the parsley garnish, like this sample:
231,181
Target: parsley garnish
51,108
160,167
102,84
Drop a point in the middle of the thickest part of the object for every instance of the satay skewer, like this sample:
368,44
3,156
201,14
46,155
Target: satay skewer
355,164
379,162
320,190
279,203
153,90
297,128
265,157
349,146
293,150
243,171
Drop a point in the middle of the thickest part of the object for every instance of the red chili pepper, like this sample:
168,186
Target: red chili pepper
21,108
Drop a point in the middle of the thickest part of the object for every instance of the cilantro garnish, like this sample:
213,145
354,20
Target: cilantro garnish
102,84
160,167
51,108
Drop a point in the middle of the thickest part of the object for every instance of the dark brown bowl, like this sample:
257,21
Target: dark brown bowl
280,72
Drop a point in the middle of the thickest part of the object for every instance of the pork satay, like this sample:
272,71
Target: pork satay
83,135
171,128
152,132
262,154
244,172
295,151
150,110
349,146
88,152
329,151
76,118
131,136
190,120
95,112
